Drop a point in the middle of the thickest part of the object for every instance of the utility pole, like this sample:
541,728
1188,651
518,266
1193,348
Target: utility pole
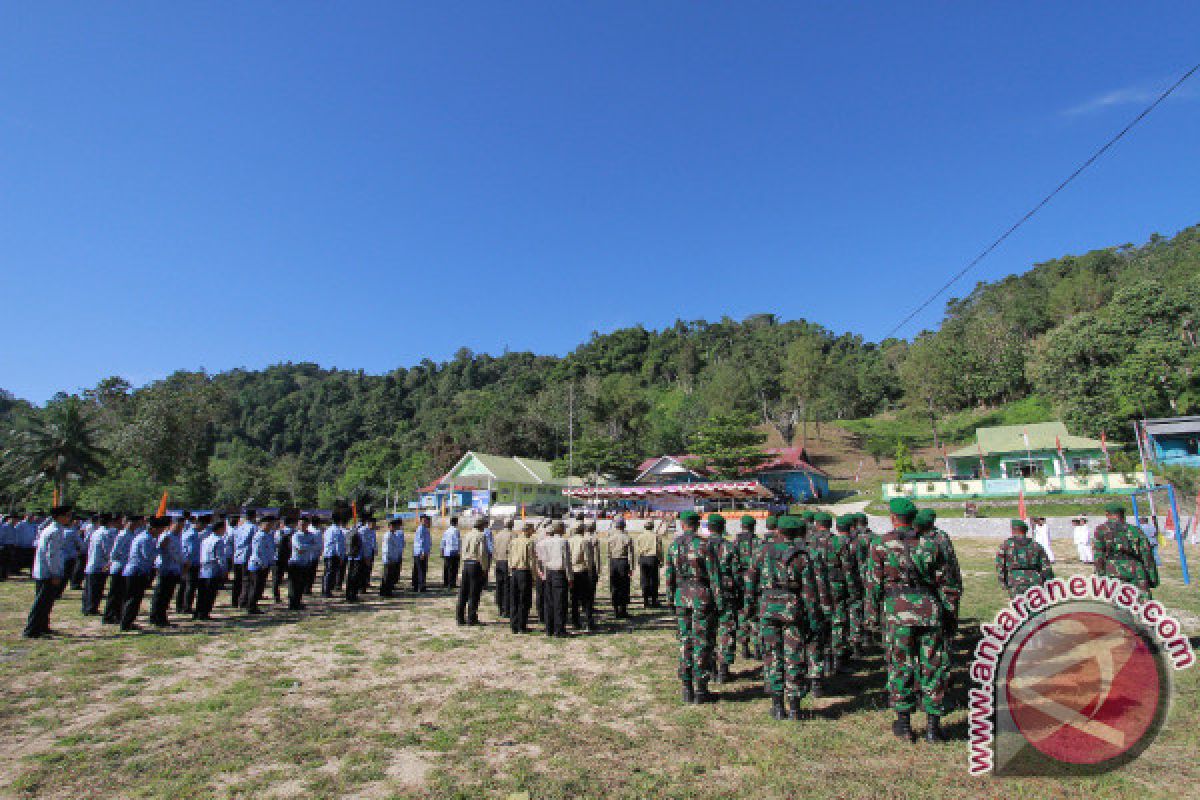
570,438
1137,435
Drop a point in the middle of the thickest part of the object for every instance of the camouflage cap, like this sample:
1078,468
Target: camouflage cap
716,522
1019,525
748,521
902,507
845,522
926,516
1114,508
790,524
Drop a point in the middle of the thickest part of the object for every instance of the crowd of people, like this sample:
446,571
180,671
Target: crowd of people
807,596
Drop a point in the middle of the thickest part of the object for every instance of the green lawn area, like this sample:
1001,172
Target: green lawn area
392,699
955,429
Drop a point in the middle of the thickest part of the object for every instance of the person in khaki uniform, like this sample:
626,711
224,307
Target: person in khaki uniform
521,561
593,542
620,566
475,562
554,568
649,550
500,544
582,566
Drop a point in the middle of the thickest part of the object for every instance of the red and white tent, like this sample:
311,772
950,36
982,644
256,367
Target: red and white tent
725,490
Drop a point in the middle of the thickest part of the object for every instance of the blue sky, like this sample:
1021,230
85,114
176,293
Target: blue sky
368,184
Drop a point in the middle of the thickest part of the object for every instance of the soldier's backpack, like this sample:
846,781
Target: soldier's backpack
781,598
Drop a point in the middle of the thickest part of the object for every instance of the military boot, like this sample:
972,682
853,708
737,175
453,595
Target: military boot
902,727
859,653
746,650
933,729
814,688
722,673
777,711
688,695
829,670
703,695
794,710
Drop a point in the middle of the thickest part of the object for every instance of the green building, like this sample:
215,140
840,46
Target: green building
496,483
1038,450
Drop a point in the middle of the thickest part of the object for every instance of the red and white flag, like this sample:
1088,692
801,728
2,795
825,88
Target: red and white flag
1058,446
1021,514
1025,436
946,460
982,464
1104,447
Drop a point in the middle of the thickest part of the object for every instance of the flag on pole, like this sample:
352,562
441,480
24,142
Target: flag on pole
1025,436
858,471
1104,447
812,487
162,505
946,461
982,464
1021,513
522,512
55,501
1061,456
354,511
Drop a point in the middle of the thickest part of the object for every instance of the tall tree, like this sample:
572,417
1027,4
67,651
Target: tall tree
728,446
59,444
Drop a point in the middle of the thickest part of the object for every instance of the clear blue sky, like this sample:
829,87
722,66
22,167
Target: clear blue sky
363,185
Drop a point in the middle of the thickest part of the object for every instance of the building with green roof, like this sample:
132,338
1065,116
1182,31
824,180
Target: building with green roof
487,482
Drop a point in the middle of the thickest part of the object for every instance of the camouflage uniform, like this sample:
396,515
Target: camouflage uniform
1021,563
1122,552
746,546
845,587
792,603
694,579
953,589
819,652
908,589
731,594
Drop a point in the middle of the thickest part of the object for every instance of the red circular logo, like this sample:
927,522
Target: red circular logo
1084,688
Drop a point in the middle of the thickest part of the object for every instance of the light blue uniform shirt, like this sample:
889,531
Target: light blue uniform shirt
451,542
27,533
422,541
229,545
48,561
334,543
119,553
142,552
393,546
170,554
368,541
8,535
72,543
189,545
100,546
243,536
306,547
262,551
212,555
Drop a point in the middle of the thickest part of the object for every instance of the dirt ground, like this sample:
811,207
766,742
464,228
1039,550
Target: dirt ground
390,698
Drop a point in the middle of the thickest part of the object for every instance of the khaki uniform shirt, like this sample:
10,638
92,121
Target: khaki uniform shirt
500,544
648,544
553,553
520,552
581,554
593,542
620,545
474,548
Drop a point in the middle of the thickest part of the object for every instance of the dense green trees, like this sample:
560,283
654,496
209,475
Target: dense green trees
1105,336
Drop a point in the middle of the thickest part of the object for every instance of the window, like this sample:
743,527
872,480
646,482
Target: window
1026,469
1193,446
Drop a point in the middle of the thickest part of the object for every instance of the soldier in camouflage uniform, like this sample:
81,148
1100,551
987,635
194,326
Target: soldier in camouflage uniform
792,602
1021,562
746,546
1122,552
924,523
909,580
820,653
845,585
750,587
731,595
694,584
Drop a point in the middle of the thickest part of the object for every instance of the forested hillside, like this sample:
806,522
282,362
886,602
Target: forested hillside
1101,337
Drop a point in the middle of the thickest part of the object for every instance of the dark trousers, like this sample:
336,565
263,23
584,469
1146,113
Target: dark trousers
277,579
520,595
78,572
618,583
391,576
539,604
555,597
185,598
648,567
93,590
116,600
44,595
135,590
329,581
582,595
450,570
502,588
367,570
164,590
469,593
310,577
235,588
420,570
68,576
5,557
297,579
253,586
353,579
206,596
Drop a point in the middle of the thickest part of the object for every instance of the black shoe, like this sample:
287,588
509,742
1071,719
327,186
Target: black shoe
814,688
777,709
933,729
722,673
794,710
703,695
840,666
746,650
858,652
688,696
902,727
132,627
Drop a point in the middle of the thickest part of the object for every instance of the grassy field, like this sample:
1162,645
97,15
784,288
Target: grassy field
391,699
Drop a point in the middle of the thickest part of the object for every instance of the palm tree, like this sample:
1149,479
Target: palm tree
57,444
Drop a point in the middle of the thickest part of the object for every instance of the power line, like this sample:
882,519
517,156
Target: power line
1094,157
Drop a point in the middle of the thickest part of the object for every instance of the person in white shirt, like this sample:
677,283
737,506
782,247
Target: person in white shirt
1082,536
1041,534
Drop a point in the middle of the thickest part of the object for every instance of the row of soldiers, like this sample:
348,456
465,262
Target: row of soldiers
806,597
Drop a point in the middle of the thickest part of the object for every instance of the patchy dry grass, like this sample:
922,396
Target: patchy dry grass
392,699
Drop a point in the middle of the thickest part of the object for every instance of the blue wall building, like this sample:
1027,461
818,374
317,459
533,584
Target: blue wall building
1174,441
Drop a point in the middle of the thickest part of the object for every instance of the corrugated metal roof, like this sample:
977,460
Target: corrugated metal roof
1157,427
1010,439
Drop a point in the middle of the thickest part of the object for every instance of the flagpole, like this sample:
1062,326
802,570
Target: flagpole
1137,435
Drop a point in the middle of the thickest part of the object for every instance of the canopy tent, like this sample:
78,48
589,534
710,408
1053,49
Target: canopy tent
726,490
